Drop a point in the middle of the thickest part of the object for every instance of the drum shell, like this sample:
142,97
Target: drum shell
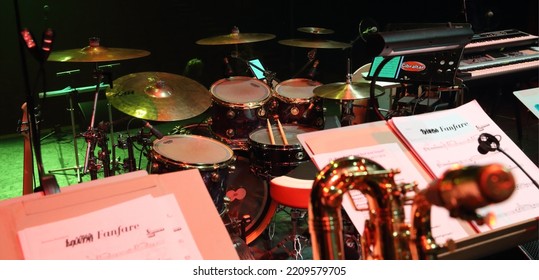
294,102
238,110
271,160
274,160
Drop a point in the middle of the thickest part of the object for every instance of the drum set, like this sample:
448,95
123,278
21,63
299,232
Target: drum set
249,138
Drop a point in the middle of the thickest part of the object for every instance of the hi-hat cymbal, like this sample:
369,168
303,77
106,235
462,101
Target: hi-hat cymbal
347,91
315,43
159,96
236,38
96,53
315,30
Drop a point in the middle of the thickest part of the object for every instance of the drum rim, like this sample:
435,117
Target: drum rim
235,105
189,165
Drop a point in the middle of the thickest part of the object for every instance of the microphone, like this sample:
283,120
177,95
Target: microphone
463,190
487,143
312,72
154,130
229,72
490,143
369,30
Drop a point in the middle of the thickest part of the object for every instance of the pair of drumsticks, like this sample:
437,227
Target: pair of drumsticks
281,131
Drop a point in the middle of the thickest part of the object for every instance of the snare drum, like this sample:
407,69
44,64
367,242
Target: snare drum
238,106
211,157
272,160
295,103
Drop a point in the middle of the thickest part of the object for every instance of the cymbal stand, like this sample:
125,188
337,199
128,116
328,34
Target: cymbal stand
96,137
347,106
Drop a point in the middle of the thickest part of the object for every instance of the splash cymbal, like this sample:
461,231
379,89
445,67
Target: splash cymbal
315,44
347,91
236,38
315,30
159,96
96,53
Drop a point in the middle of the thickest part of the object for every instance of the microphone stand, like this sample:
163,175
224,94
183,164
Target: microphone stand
48,182
311,55
269,75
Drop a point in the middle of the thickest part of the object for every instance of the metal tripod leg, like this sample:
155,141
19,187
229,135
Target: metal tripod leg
77,167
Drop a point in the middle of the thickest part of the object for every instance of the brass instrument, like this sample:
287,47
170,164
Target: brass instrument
386,234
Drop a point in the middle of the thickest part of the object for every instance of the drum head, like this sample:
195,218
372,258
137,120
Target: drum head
240,90
249,194
297,88
261,135
193,149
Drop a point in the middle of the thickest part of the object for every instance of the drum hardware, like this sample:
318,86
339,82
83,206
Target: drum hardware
237,230
95,53
311,56
269,76
70,91
299,240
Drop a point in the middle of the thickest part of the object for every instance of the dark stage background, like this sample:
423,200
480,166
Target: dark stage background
169,30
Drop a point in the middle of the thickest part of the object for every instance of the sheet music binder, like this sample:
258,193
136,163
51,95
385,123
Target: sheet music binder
208,230
479,243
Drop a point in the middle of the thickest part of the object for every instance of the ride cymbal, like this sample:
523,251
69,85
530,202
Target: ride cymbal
96,53
347,91
159,96
315,44
236,38
315,30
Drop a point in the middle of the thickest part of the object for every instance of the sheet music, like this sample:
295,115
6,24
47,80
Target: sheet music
142,228
390,156
445,138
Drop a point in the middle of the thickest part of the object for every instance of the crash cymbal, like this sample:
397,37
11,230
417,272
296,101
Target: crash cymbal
96,53
314,43
159,96
236,38
347,91
315,30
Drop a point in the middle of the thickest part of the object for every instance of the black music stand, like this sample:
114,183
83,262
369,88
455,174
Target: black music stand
423,55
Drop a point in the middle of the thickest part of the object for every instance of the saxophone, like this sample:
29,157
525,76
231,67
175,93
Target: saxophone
387,235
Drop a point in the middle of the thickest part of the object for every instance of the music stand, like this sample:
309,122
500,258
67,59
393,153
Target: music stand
424,55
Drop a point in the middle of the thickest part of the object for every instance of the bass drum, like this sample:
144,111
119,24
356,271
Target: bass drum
249,194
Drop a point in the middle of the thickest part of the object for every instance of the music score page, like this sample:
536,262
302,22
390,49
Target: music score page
145,228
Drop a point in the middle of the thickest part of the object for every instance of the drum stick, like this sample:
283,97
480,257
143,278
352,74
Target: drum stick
282,132
270,132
